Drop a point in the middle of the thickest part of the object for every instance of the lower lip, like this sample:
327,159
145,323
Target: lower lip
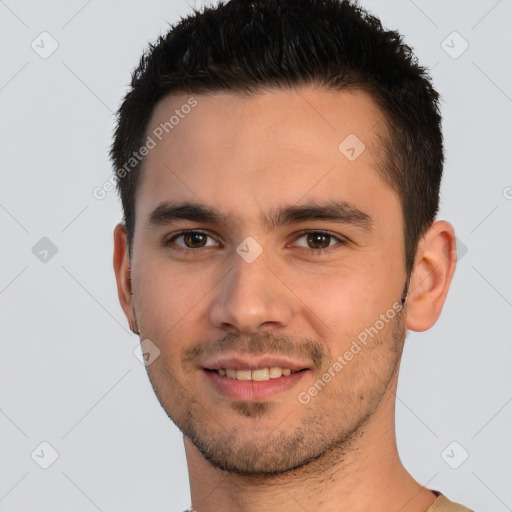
251,389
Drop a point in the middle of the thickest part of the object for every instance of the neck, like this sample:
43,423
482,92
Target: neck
364,474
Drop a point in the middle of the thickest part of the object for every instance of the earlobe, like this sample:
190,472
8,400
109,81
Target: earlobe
435,264
122,269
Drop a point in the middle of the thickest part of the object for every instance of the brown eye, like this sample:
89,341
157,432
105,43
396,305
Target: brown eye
194,239
318,240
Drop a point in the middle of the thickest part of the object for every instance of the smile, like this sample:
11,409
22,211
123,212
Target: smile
259,374
253,385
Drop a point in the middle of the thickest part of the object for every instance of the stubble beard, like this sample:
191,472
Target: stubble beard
321,437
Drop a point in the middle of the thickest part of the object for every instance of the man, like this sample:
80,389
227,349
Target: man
279,165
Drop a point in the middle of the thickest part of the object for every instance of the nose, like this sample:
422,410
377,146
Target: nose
251,298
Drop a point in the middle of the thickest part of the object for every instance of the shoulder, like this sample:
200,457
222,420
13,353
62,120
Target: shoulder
443,504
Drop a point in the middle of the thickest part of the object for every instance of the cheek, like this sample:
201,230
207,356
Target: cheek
168,297
348,300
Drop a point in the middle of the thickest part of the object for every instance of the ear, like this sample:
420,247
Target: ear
435,263
122,269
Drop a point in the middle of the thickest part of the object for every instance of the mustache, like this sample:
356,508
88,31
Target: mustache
260,343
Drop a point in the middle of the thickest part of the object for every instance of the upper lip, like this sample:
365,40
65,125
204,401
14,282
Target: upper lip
253,363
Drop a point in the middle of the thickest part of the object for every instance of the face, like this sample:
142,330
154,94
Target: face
265,239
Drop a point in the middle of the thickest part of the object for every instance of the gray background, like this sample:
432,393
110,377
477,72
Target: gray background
68,373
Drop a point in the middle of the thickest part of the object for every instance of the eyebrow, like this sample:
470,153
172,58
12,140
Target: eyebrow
333,211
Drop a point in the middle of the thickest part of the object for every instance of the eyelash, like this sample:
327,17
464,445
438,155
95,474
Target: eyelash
317,252
185,232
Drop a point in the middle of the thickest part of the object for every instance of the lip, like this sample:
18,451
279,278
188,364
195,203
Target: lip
250,390
254,363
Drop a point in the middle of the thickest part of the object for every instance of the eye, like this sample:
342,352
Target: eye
319,241
192,239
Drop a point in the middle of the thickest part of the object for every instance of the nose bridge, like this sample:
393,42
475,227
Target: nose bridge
251,295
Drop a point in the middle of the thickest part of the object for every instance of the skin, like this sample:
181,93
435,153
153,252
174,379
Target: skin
246,157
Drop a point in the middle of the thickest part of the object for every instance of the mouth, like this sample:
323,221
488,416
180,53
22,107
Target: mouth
258,374
252,378
257,383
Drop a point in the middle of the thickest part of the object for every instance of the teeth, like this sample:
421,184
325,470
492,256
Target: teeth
258,375
275,372
262,374
243,375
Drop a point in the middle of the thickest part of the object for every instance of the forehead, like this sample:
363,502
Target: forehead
280,145
275,117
